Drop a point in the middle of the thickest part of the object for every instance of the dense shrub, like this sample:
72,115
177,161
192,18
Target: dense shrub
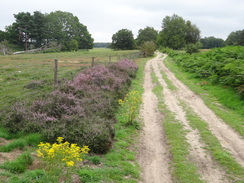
192,47
148,48
220,65
82,110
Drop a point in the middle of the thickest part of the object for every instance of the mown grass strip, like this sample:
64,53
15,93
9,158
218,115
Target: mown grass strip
224,158
212,95
183,170
119,165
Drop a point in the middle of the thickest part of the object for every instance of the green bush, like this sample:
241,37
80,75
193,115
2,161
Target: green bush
148,48
193,47
220,65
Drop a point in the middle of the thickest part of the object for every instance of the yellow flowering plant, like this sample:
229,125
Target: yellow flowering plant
130,104
61,154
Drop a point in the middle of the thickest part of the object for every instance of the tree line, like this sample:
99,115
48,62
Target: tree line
176,33
38,29
63,29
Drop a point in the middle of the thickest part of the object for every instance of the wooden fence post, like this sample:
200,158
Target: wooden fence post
93,60
55,71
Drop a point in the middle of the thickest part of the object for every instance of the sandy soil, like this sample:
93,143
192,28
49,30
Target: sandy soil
233,142
154,157
8,156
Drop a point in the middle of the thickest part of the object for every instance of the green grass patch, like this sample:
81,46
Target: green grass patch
224,158
5,134
33,176
19,165
169,83
21,143
223,101
183,169
16,144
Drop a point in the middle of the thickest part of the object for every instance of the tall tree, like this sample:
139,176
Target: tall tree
84,38
123,40
23,27
13,35
173,32
64,27
211,42
241,39
192,33
176,32
39,29
3,35
234,38
147,34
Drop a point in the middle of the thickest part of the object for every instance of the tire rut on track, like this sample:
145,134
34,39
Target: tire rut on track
233,142
154,156
207,167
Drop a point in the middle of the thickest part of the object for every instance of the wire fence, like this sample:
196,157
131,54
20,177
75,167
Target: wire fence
27,80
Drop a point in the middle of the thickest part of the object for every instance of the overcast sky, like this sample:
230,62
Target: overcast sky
103,18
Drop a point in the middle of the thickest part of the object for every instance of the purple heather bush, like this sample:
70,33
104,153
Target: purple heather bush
81,110
125,66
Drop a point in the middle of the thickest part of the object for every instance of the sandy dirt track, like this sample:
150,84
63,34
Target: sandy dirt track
154,156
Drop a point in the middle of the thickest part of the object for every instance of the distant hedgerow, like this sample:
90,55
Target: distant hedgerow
81,110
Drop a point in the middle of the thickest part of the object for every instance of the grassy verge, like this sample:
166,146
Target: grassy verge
234,170
119,165
183,169
232,108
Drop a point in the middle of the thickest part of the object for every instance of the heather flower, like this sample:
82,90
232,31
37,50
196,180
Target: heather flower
81,110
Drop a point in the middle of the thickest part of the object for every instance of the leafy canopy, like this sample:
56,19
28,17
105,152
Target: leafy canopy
33,31
147,34
176,32
235,38
211,42
123,40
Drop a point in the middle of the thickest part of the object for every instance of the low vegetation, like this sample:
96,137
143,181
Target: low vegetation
107,98
27,76
223,66
82,110
118,165
224,101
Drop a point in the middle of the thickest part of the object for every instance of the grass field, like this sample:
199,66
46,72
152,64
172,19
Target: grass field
112,167
29,75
